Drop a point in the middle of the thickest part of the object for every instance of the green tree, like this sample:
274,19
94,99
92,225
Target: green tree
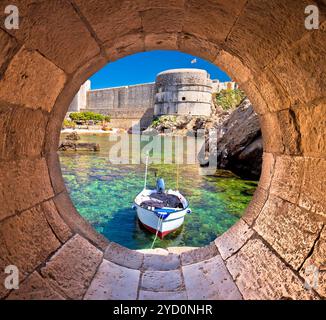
229,99
68,124
87,116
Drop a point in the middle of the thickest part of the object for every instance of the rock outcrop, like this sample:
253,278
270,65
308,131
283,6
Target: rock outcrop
237,144
74,136
234,135
183,125
78,146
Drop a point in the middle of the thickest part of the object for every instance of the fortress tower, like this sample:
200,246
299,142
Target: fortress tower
183,92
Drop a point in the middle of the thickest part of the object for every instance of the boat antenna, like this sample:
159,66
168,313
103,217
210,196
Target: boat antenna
146,170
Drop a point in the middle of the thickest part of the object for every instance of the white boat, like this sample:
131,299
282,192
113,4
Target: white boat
161,212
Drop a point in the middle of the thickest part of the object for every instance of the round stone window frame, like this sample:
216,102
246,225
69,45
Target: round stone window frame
284,224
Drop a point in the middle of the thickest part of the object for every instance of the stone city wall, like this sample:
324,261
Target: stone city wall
128,97
128,105
175,92
125,118
80,100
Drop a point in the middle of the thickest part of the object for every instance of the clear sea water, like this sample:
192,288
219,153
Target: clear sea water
104,192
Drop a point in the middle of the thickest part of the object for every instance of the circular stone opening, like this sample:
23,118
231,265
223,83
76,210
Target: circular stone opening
271,251
113,122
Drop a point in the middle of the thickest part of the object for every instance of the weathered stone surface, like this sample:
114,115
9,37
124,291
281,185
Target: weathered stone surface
287,178
34,288
255,206
213,21
312,123
154,41
123,256
124,46
160,20
53,162
71,270
143,5
290,230
267,171
23,184
271,132
198,254
254,95
156,251
4,262
233,239
25,133
64,99
111,19
5,114
261,18
36,80
180,250
8,46
314,268
210,280
290,132
162,280
197,46
313,188
162,296
29,240
240,73
58,226
259,274
281,64
161,262
113,282
75,221
56,30
302,60
272,92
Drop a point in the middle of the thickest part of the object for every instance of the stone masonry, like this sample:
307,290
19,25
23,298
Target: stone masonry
175,92
264,46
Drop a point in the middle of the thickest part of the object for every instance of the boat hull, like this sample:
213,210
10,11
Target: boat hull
160,234
153,223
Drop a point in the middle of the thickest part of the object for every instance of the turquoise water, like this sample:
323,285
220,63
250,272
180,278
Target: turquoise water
104,192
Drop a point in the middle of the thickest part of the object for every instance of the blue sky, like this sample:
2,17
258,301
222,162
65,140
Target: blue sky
143,67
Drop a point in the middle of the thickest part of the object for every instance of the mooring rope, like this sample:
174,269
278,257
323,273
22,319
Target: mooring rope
157,229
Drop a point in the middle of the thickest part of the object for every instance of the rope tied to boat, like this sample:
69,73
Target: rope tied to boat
160,219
